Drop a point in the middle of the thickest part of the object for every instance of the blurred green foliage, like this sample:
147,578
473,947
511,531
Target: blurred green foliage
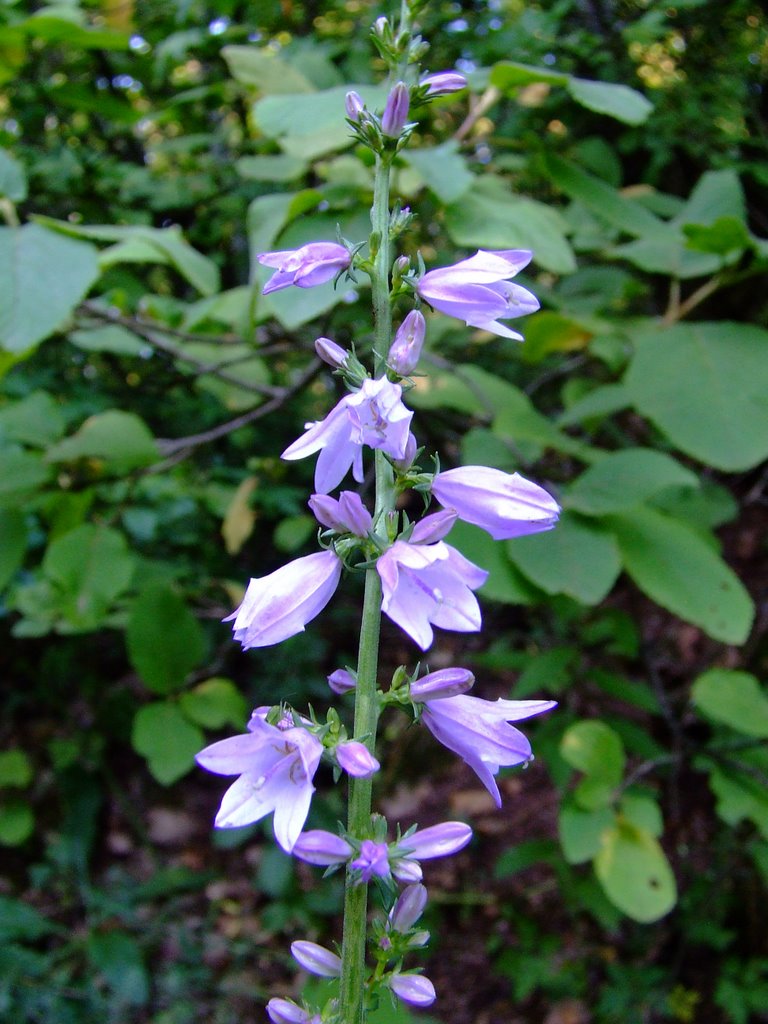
147,152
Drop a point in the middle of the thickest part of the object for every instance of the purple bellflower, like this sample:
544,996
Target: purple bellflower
281,604
316,959
408,908
331,353
503,504
306,267
425,844
478,290
356,760
413,988
407,345
373,859
478,731
396,110
354,105
341,681
426,583
348,514
442,82
283,1011
276,767
322,848
374,415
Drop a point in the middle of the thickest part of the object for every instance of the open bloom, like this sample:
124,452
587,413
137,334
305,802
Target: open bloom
306,267
281,604
478,290
276,767
373,859
478,731
374,415
425,584
503,504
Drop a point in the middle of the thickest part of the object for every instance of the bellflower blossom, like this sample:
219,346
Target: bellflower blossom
396,110
283,1011
441,82
406,348
281,604
373,859
316,959
348,514
374,415
505,505
426,584
275,767
356,760
478,291
306,267
413,988
478,731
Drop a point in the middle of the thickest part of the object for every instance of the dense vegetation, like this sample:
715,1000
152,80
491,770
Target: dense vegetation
147,151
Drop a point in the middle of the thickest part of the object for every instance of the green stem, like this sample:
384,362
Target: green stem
353,969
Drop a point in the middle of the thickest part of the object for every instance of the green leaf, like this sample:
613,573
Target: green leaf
510,75
262,68
505,582
549,332
594,748
167,739
44,277
716,194
724,236
13,531
17,822
117,956
15,769
91,566
20,472
581,831
111,338
705,385
635,873
643,812
164,639
13,179
678,569
36,420
215,703
279,167
442,169
733,698
619,101
623,479
490,216
577,558
603,401
120,439
740,797
20,922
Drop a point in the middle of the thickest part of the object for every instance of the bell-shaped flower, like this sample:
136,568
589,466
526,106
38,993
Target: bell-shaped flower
322,848
479,732
356,760
479,292
405,350
429,584
441,82
413,988
316,959
348,514
281,604
306,267
341,681
396,110
373,416
445,682
283,1011
275,768
425,844
503,504
408,908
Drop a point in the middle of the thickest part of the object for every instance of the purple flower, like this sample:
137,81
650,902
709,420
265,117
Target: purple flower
331,353
347,515
322,848
436,841
446,682
478,291
433,527
478,731
374,415
503,504
283,1011
354,105
281,604
429,584
316,959
341,681
413,988
396,110
408,909
306,267
373,859
276,767
356,759
406,348
443,82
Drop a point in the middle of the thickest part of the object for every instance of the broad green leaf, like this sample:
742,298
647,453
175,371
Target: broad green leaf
13,546
490,216
716,194
740,797
734,698
709,505
643,812
442,169
505,582
262,68
625,478
44,277
164,639
679,570
507,74
265,220
577,558
294,531
278,167
110,338
20,471
117,957
549,332
167,739
619,101
17,822
215,703
635,873
581,831
36,420
601,402
724,236
119,439
664,251
20,922
594,748
705,385
15,769
91,566
13,180
61,23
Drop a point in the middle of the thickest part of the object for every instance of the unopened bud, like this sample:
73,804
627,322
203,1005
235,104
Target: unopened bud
396,111
443,82
354,105
409,341
331,353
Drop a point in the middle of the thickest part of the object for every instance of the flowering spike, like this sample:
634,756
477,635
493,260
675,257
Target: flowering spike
345,515
341,681
354,105
331,353
442,82
436,841
373,859
446,682
322,848
283,1011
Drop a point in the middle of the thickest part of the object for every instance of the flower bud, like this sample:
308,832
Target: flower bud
356,759
331,353
437,841
446,682
354,105
413,988
406,348
322,848
443,82
408,909
411,447
341,681
316,959
396,111
348,514
407,871
433,527
283,1011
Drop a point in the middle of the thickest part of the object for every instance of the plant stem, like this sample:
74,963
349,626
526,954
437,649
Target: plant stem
353,970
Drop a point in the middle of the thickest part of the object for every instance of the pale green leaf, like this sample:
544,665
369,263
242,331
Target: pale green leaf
619,101
167,739
215,703
625,478
120,439
635,873
442,169
164,639
734,698
13,546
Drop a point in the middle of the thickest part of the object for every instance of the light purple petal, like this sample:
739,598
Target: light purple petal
446,682
433,527
322,848
283,1011
504,504
437,841
316,959
238,754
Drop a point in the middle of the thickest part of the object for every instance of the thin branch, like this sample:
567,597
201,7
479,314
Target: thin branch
679,310
490,97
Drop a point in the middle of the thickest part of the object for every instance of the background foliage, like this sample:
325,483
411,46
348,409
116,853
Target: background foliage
148,151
